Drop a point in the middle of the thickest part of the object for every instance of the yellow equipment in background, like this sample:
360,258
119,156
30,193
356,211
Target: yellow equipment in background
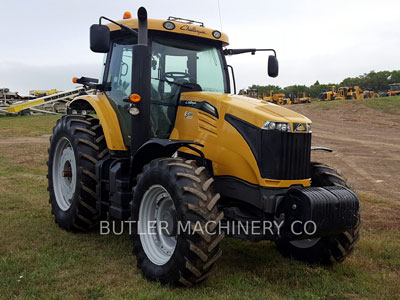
394,89
278,98
302,99
329,94
354,92
42,93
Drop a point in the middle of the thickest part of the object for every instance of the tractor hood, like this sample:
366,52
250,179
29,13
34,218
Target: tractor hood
251,110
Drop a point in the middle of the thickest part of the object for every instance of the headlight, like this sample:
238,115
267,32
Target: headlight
309,128
279,126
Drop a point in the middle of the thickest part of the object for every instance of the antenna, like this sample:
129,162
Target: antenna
219,11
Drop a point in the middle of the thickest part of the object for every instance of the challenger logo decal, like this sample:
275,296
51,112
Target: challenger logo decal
192,29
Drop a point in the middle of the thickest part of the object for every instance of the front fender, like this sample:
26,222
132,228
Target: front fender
156,148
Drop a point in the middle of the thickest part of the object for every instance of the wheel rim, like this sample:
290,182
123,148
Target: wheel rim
156,212
64,174
307,243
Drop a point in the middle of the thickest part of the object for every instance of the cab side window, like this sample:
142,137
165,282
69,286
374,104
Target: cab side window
120,73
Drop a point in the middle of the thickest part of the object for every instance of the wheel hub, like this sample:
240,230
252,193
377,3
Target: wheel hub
64,174
157,224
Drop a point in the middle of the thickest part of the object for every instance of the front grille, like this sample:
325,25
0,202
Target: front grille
285,155
279,155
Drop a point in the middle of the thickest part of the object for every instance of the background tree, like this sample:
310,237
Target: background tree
376,81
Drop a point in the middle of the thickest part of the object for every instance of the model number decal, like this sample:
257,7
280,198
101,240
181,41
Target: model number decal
203,106
188,115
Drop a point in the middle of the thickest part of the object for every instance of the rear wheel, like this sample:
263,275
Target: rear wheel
76,145
172,193
325,250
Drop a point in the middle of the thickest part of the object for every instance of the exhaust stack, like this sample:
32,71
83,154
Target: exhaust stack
140,123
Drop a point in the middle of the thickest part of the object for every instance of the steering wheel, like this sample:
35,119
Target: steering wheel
177,75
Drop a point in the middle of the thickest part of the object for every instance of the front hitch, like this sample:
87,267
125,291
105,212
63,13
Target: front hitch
317,211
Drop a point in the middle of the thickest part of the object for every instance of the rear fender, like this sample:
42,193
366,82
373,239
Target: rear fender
107,117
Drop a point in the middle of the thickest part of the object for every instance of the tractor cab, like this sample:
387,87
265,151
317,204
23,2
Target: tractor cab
183,56
179,63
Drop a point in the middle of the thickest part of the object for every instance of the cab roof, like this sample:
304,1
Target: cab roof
180,28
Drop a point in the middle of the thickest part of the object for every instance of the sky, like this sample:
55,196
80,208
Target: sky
44,43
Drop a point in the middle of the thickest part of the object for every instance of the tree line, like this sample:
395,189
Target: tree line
376,81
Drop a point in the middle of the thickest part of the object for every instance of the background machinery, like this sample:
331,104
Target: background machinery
49,102
277,98
354,92
394,89
171,146
302,99
329,94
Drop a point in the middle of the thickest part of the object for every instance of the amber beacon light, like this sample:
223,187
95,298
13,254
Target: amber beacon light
127,15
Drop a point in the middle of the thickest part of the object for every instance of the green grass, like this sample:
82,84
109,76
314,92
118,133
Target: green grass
386,104
38,260
27,125
389,105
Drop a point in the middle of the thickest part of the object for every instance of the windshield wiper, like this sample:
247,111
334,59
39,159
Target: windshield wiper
172,82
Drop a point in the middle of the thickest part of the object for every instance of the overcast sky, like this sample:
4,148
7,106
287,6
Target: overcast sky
44,43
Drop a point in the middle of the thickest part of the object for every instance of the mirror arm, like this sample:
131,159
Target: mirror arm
250,50
92,83
123,27
233,78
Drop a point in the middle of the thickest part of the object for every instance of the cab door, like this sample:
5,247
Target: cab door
118,82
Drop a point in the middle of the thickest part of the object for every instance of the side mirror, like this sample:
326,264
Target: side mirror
99,38
273,66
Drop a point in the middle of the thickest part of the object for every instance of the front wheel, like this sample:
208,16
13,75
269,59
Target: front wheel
173,202
324,250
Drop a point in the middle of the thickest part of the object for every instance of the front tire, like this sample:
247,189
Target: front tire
76,145
324,250
175,190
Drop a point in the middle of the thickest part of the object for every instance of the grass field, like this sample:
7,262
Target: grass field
387,104
38,260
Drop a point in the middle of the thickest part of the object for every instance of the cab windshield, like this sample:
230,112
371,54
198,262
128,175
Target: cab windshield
177,63
180,65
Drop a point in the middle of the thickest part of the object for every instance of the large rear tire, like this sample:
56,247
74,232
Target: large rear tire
76,145
325,250
175,190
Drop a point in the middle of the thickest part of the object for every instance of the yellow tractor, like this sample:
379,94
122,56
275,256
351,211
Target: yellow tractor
354,92
278,98
302,99
329,94
173,152
344,93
